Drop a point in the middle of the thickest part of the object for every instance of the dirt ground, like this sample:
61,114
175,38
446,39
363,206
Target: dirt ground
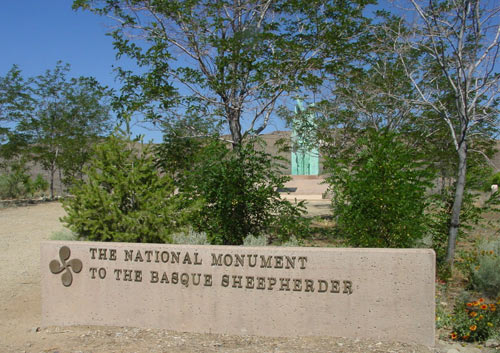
22,229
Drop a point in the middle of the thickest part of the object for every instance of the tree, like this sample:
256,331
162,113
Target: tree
14,99
227,62
123,198
370,92
237,189
62,119
460,42
379,189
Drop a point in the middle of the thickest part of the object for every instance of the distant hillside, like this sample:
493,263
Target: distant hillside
272,147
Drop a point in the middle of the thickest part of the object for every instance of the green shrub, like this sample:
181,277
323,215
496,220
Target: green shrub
251,240
495,179
190,237
64,234
485,274
292,241
238,189
475,320
39,184
439,225
123,198
16,182
379,191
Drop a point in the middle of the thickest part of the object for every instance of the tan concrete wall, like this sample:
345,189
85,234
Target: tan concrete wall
385,294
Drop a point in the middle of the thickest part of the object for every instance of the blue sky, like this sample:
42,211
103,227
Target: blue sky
35,34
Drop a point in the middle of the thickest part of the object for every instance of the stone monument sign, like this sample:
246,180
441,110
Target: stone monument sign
385,294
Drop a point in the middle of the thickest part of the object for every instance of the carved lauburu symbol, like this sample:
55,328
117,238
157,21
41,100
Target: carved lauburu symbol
74,264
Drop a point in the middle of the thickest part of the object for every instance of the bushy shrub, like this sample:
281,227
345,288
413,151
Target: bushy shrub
238,189
17,183
495,179
252,240
190,237
379,191
39,185
491,179
123,198
64,234
475,320
485,274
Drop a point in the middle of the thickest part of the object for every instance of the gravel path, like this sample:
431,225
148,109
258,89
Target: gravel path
22,229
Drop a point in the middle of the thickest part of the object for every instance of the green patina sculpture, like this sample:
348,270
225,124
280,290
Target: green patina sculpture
305,158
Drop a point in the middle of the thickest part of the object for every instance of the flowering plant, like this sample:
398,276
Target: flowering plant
475,320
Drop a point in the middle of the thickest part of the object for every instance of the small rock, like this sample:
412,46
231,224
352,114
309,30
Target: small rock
35,329
492,343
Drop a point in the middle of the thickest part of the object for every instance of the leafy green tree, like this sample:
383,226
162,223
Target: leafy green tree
460,42
123,197
238,189
379,191
14,99
62,119
227,62
16,182
371,92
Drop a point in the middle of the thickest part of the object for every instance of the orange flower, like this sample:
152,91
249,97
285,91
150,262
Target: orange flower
481,300
476,303
453,335
484,307
473,314
473,328
470,304
465,337
493,307
480,317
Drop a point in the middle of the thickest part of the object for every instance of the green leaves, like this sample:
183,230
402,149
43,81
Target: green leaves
225,61
379,192
124,198
237,189
54,118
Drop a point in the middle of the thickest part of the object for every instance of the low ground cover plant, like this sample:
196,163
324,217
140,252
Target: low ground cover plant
475,316
475,320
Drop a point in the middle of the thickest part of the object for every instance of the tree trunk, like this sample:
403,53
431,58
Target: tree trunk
235,128
457,203
60,181
52,172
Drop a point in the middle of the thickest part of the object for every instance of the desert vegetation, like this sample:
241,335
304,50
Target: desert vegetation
405,108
